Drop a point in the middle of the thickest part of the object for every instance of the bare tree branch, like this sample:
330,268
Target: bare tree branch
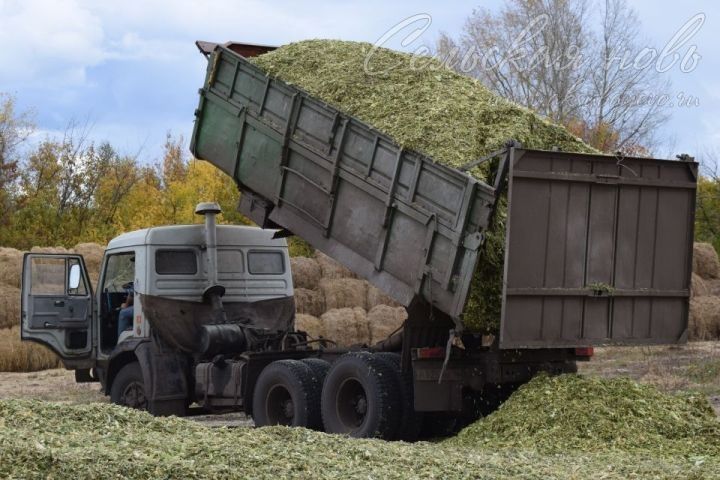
545,55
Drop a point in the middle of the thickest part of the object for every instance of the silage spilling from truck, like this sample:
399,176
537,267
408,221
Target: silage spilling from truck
425,107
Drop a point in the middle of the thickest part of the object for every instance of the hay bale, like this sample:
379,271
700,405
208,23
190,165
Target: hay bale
9,306
384,320
19,356
346,326
310,302
10,266
92,254
332,269
698,286
344,293
705,260
713,286
309,324
306,272
50,250
375,297
704,322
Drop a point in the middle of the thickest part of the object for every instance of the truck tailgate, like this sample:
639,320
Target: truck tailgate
598,250
395,217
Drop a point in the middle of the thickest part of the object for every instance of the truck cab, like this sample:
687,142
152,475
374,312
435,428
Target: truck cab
167,272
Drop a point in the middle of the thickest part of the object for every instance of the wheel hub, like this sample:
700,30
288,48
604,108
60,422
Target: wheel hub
361,405
352,403
288,409
134,396
279,406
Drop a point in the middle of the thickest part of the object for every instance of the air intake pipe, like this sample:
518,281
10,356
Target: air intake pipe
214,291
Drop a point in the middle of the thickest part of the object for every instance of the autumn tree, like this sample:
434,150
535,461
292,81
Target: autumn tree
65,190
707,211
167,194
15,128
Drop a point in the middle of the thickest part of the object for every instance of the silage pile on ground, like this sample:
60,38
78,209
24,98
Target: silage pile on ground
17,356
450,117
43,440
591,414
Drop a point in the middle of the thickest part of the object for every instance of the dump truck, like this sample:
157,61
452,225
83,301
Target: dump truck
598,251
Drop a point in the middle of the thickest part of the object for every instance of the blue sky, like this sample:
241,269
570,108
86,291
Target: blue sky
130,68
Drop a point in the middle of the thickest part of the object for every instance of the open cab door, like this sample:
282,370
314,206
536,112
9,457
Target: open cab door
57,306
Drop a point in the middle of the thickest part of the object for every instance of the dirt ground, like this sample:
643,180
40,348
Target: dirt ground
691,367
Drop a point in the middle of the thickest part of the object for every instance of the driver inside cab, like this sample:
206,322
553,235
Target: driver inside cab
125,317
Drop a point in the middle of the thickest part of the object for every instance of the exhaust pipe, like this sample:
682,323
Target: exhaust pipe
213,292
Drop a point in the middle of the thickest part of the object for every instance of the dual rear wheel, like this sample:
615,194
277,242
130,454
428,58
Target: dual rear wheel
360,395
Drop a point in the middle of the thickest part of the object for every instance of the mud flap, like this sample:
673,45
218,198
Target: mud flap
165,374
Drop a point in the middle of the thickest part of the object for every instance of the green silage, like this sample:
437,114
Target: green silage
563,427
590,414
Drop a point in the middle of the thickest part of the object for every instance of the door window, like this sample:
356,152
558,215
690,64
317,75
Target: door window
48,276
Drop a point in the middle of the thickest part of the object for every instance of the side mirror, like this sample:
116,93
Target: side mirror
74,277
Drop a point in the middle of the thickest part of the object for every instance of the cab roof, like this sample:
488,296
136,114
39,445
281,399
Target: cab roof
182,235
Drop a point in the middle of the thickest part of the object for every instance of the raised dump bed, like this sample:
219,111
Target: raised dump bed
598,249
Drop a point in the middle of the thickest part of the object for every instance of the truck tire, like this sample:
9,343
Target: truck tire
286,393
410,420
361,397
319,369
128,388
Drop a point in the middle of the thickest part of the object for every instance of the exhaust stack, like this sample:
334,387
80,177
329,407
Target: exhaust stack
214,292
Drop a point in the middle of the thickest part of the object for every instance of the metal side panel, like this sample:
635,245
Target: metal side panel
407,224
598,250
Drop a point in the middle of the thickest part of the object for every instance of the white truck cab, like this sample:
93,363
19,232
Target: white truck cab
61,310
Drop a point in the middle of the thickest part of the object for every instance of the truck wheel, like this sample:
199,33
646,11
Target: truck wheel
410,420
361,397
319,369
286,393
128,388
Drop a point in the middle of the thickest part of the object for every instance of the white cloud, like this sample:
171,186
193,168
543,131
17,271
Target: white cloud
50,42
